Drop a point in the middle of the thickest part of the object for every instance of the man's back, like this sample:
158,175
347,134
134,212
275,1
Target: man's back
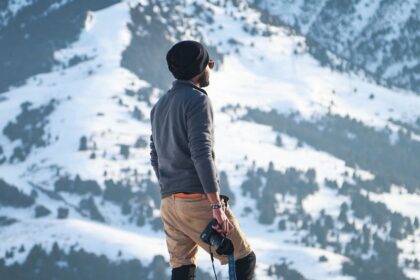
182,157
182,140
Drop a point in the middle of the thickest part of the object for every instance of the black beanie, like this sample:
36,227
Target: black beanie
186,59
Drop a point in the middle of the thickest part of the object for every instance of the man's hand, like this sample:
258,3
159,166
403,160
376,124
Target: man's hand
224,225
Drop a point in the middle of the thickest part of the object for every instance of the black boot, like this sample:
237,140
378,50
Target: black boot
245,267
185,272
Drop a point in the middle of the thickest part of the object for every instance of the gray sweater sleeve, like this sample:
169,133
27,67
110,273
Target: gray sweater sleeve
200,137
153,157
153,153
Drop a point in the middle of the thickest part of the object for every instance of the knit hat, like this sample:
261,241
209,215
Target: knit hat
186,59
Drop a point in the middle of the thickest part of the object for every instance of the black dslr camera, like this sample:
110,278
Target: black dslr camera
223,245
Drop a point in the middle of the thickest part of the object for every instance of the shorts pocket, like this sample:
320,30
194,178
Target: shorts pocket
197,208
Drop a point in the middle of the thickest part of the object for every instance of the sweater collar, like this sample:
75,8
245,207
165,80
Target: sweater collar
186,83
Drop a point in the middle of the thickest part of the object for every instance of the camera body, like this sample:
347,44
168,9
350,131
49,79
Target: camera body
222,244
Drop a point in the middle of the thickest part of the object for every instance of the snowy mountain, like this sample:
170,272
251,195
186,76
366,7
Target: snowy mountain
321,162
381,38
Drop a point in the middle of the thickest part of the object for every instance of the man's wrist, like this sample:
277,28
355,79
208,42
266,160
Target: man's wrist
216,206
213,197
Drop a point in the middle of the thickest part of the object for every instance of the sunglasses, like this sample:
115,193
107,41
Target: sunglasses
211,63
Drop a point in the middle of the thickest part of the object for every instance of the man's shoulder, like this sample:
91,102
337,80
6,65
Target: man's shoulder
191,96
153,109
188,90
199,100
160,99
198,96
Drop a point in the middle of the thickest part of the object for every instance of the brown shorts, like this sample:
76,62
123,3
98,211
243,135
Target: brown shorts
184,219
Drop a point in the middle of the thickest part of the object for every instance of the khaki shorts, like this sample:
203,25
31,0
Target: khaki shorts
184,219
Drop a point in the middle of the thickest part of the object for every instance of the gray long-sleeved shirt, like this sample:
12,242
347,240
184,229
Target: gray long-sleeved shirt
182,141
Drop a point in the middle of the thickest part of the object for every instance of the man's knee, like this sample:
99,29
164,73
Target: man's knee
245,267
185,272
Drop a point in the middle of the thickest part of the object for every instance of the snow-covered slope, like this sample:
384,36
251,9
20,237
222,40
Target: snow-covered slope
381,37
320,163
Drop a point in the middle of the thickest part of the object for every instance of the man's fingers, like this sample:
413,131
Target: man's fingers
220,227
225,227
230,226
217,228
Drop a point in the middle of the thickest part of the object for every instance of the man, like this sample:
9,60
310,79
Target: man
183,160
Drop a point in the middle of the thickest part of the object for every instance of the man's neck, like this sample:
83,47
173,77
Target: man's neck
191,82
197,84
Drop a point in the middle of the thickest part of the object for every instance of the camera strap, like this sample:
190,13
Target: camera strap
231,263
212,262
232,272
